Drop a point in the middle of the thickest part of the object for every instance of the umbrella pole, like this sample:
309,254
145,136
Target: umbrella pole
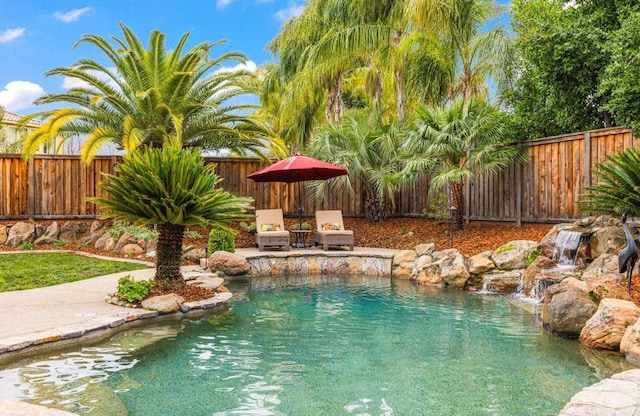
300,206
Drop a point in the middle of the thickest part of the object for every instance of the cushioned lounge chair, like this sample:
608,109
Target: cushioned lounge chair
270,230
330,230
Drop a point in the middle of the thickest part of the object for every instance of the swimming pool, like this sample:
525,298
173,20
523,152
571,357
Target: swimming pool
323,346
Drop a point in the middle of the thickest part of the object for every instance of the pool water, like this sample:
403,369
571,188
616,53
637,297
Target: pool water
325,346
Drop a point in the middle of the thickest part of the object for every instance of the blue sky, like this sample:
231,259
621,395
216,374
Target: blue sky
38,35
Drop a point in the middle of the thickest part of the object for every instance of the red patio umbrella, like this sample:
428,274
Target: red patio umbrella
298,168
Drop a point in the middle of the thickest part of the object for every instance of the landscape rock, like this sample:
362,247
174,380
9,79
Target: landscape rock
566,310
425,249
195,254
96,231
164,304
49,236
607,326
230,264
124,239
132,249
71,231
20,233
208,282
402,265
453,267
4,231
604,264
502,282
608,240
540,270
514,255
427,272
608,286
548,242
630,343
480,263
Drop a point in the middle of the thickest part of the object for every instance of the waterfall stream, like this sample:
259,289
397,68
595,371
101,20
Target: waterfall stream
566,249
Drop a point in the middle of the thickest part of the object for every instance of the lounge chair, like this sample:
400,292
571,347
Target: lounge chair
330,230
270,230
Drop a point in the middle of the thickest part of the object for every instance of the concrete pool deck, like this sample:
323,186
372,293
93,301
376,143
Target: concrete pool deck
72,311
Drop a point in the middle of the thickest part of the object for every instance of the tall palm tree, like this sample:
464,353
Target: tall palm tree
617,191
173,188
150,97
454,142
369,152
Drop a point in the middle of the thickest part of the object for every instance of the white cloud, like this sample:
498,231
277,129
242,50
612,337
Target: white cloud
293,10
72,15
11,34
221,4
247,66
18,95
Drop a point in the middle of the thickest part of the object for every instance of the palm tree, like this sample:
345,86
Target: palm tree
453,143
369,152
173,188
152,97
617,192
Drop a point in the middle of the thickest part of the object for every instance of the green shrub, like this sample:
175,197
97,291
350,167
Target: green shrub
250,228
221,240
532,257
297,226
438,207
59,244
505,248
133,291
139,233
27,246
191,234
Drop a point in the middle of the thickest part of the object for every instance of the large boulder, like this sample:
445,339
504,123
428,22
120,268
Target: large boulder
124,239
194,254
453,267
71,231
608,240
164,303
21,233
4,232
630,343
540,270
548,242
604,264
607,326
425,249
427,272
230,264
566,309
49,236
105,242
502,281
480,263
132,250
96,230
608,286
515,255
402,264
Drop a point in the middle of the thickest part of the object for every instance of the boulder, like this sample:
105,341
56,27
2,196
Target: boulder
96,231
402,265
425,249
124,239
71,231
514,255
427,272
49,236
607,326
4,231
164,303
608,286
502,282
453,267
608,240
630,343
105,242
566,310
20,233
195,254
604,264
132,249
209,281
230,264
536,272
480,263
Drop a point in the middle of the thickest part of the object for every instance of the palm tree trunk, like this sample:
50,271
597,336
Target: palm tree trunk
169,257
457,197
373,208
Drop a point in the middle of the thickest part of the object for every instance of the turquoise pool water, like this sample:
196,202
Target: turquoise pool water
332,346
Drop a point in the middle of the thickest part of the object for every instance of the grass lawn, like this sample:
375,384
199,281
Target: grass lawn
32,270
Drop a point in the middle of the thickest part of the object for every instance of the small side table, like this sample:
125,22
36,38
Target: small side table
300,238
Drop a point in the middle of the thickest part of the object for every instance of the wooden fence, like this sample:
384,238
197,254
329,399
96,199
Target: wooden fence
543,190
546,188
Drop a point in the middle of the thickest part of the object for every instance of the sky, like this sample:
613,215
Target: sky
38,35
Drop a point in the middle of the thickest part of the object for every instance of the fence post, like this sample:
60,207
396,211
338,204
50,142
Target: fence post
587,159
31,189
519,191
